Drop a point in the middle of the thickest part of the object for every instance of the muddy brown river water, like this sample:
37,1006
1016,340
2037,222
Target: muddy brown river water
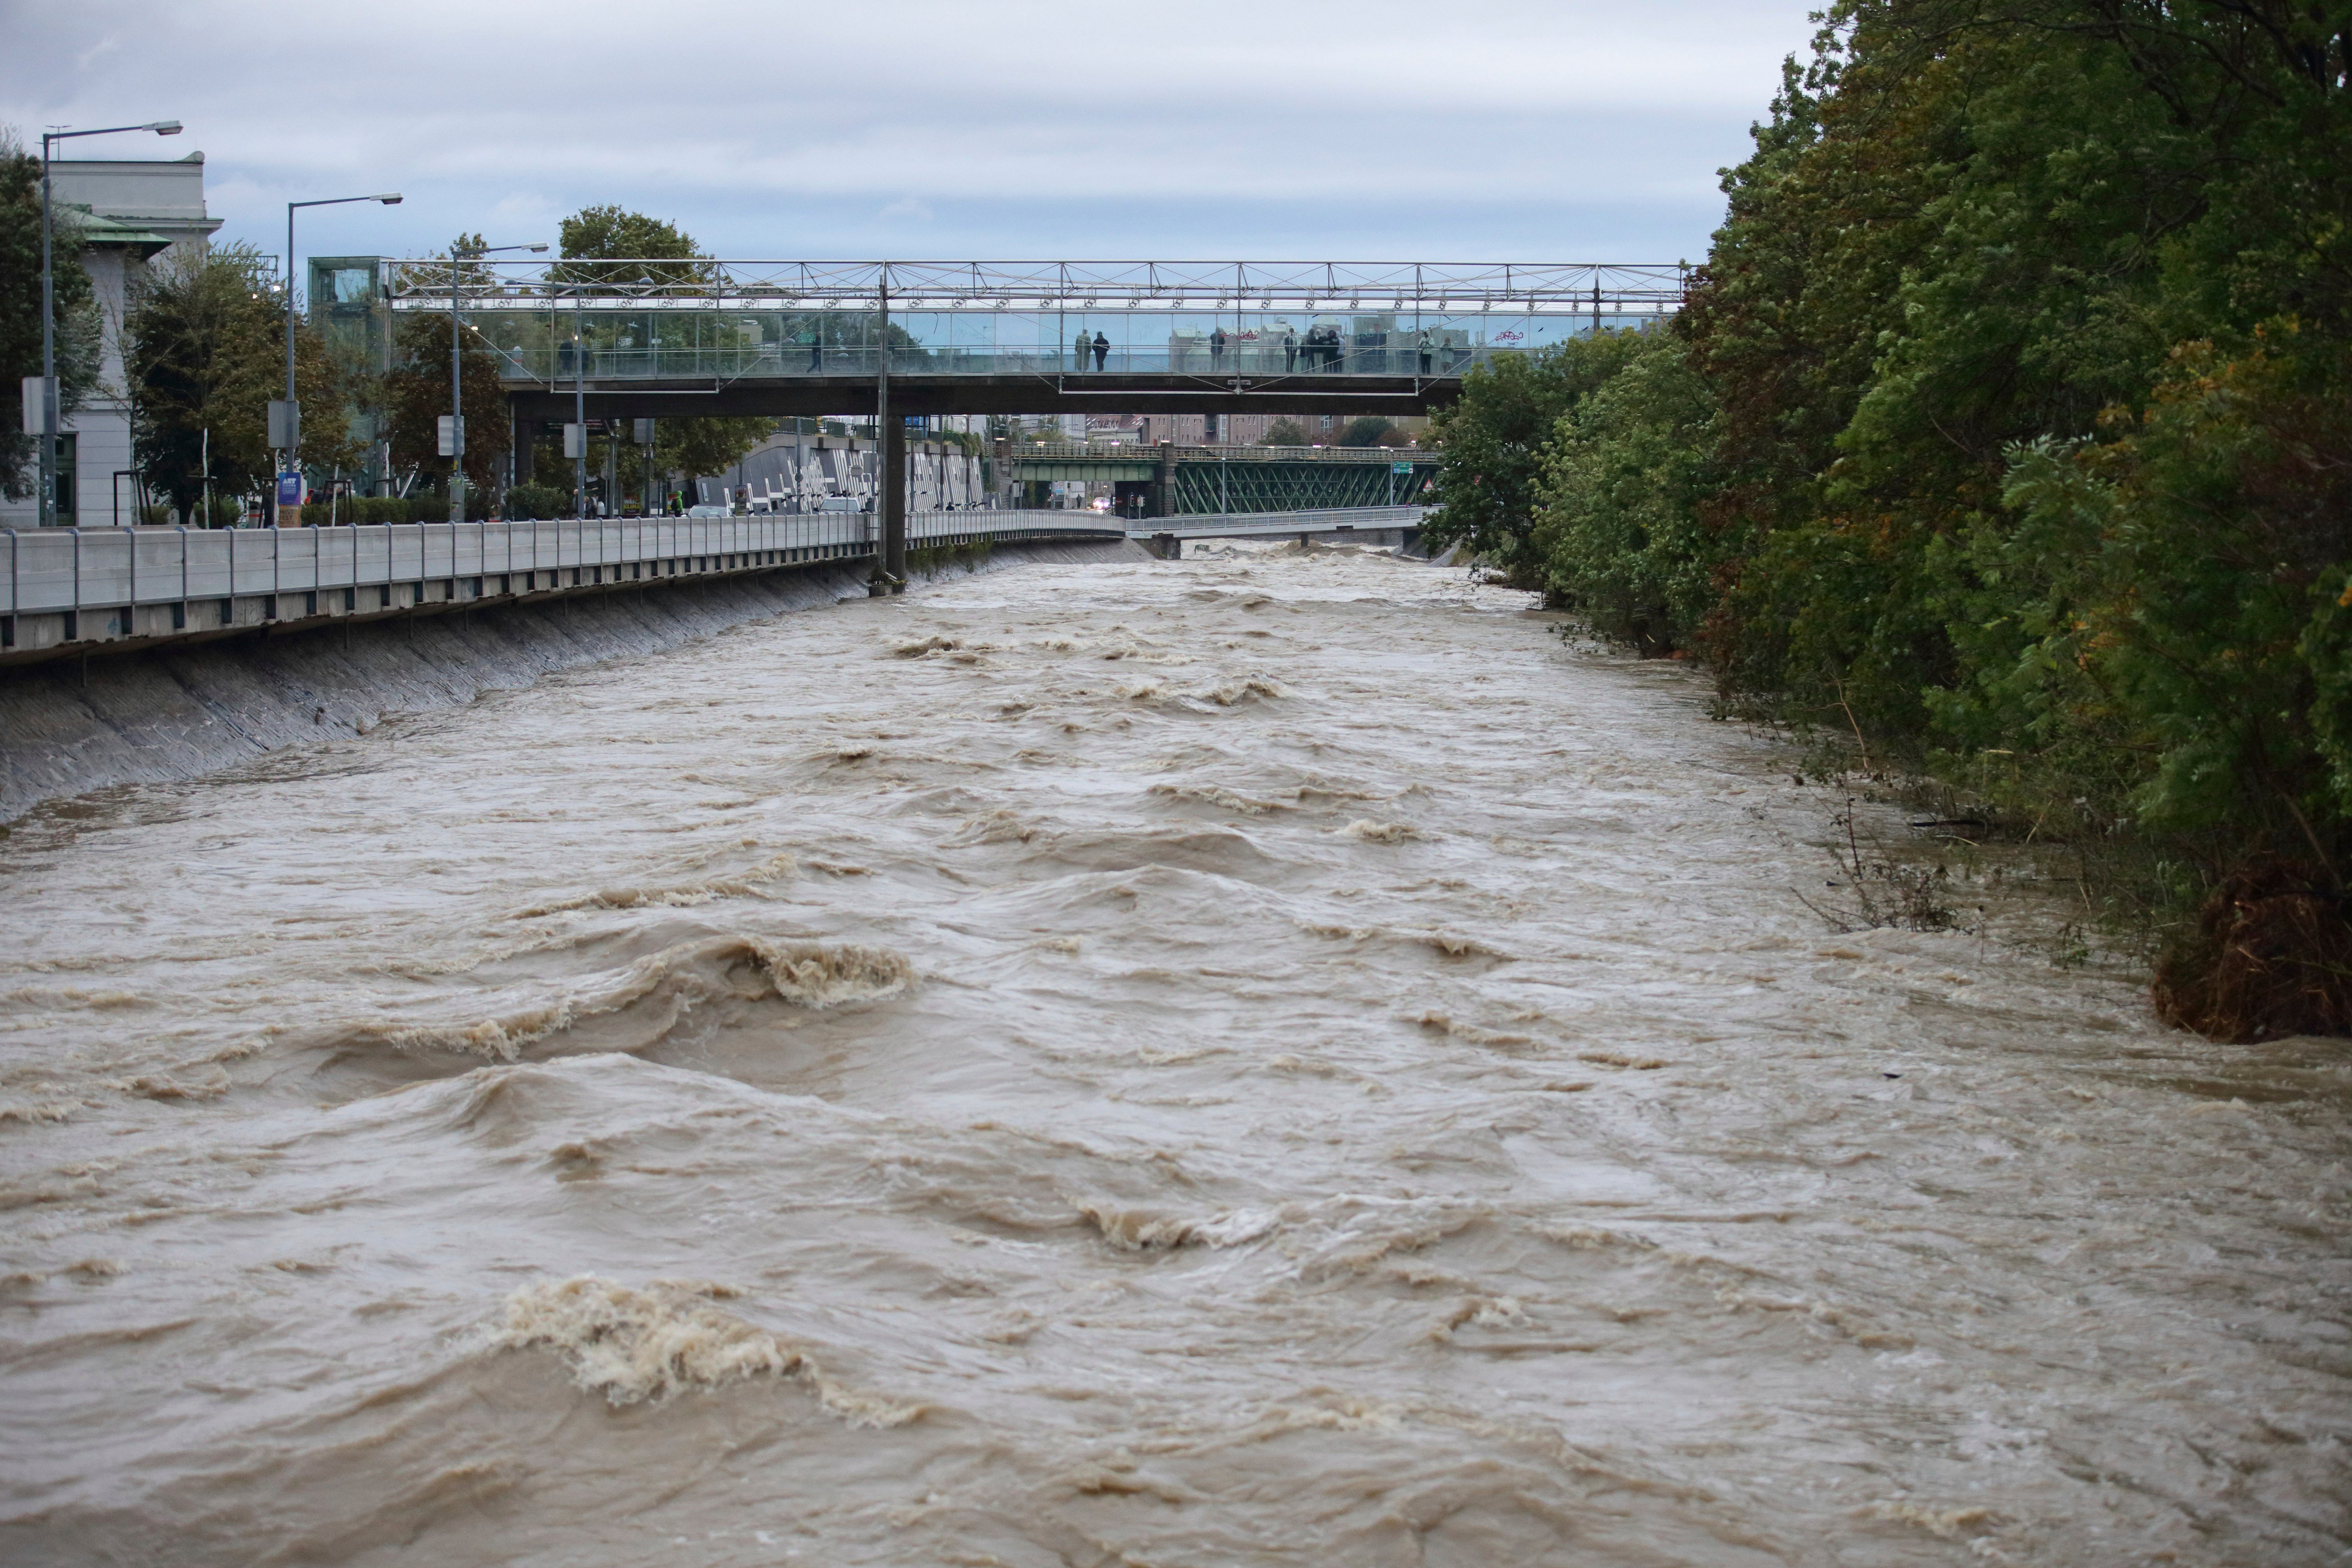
1275,1059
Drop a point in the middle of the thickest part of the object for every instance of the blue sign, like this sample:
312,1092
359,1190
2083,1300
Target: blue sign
289,489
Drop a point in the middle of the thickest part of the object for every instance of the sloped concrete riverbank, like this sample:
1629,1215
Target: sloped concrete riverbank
73,726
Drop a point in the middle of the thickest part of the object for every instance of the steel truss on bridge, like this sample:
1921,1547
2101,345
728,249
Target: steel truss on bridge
786,337
1274,485
1186,479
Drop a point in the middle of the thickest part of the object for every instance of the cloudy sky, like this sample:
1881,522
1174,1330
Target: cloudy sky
1538,130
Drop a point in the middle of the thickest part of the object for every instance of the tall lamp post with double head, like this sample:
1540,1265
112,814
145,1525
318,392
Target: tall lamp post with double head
286,418
47,389
453,439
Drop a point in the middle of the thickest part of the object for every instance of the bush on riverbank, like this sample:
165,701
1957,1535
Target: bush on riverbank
529,504
2009,432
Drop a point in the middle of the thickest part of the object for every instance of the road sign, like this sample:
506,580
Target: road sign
451,432
284,425
576,440
1400,467
39,392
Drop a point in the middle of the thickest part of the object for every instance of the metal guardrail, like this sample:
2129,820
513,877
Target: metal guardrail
52,570
1052,286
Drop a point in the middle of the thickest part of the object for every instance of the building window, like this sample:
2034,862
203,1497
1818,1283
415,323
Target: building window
68,473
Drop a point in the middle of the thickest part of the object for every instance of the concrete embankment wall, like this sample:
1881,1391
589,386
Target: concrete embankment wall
73,726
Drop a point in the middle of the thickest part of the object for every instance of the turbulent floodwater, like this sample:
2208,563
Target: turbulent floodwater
1267,1060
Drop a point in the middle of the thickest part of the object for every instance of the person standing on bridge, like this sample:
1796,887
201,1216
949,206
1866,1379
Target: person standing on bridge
815,348
1102,350
1428,351
1217,349
1289,348
1085,343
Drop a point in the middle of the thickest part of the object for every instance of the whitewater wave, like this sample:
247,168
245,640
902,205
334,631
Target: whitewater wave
740,884
634,1345
638,1346
656,991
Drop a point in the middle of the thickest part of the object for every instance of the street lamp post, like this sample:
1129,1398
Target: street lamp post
285,421
48,387
457,442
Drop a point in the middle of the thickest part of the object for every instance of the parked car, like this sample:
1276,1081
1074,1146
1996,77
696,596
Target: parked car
841,504
708,511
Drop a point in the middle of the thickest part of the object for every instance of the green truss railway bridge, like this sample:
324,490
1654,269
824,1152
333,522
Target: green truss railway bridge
1172,481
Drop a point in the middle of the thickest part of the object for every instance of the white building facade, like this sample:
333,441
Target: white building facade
134,211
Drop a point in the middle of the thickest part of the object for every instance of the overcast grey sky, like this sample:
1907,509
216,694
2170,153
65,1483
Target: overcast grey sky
1372,129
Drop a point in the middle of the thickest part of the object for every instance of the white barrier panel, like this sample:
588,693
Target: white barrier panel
74,569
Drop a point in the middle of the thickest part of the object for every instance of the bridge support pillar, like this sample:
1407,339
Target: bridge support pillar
1161,500
892,557
523,433
1168,547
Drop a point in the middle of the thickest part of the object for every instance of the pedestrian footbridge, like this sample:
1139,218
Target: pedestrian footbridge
643,339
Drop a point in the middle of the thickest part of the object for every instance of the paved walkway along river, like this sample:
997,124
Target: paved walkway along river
1265,1060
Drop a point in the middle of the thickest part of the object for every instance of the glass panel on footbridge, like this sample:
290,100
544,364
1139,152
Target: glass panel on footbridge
1214,321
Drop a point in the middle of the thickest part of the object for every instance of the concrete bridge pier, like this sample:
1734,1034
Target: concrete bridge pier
521,437
1166,546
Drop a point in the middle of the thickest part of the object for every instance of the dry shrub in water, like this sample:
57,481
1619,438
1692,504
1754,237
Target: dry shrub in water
2273,957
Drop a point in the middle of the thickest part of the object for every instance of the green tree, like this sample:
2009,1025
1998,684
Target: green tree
1283,433
78,326
1492,442
2010,432
596,241
1621,530
204,352
415,393
609,250
1367,430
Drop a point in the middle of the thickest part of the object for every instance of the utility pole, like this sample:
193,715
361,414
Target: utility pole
645,432
286,418
579,442
891,562
453,444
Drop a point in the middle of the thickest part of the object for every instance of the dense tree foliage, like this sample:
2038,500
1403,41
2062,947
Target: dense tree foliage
595,242
2009,428
415,393
1492,443
78,337
204,352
